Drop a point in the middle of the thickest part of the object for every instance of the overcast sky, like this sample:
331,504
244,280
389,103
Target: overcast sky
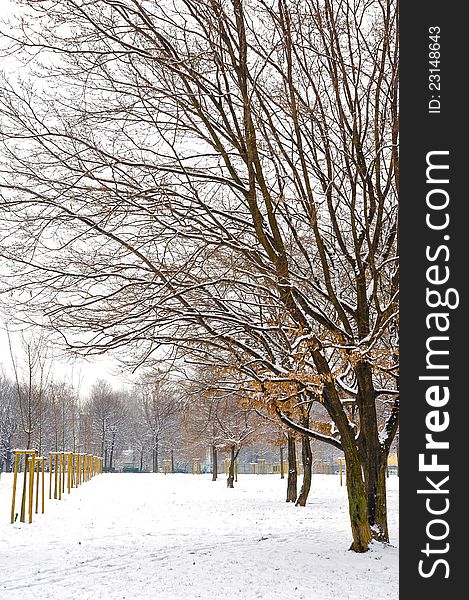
82,374
5,7
79,372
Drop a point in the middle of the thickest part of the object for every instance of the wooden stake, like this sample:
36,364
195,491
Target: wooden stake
59,459
37,486
15,477
69,471
43,468
31,485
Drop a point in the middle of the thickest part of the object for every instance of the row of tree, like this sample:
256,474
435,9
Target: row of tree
39,412
141,423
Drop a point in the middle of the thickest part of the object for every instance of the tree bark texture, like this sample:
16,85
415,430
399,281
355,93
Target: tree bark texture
214,463
307,461
231,470
292,469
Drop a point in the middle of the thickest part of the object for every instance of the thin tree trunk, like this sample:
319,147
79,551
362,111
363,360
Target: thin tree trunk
214,463
231,469
282,476
307,460
141,461
103,436
111,456
172,461
292,469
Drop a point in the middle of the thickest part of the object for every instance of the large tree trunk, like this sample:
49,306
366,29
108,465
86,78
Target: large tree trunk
358,501
282,476
307,460
231,470
214,463
373,454
292,470
374,468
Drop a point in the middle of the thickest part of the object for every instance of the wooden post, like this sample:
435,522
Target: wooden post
62,454
69,471
31,485
43,468
50,475
25,489
15,478
38,466
76,461
60,458
56,474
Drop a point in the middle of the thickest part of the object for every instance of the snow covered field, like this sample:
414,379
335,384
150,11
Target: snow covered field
184,537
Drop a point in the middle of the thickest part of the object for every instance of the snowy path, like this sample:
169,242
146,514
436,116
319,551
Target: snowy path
183,537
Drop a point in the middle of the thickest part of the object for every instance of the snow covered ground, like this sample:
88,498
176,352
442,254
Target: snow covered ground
184,537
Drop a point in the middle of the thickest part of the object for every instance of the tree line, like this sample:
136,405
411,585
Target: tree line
144,424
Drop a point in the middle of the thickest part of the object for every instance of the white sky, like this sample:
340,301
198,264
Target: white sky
5,7
80,373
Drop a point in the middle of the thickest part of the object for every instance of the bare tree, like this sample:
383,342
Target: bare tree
61,416
31,375
9,421
160,406
107,413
